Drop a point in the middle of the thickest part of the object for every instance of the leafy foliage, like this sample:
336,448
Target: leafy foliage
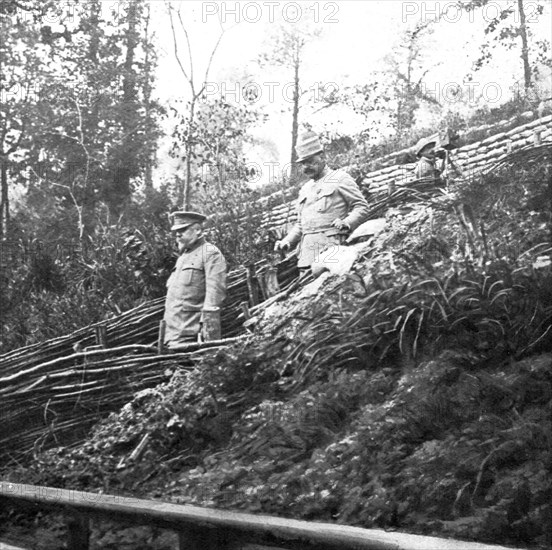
500,29
85,133
50,288
221,179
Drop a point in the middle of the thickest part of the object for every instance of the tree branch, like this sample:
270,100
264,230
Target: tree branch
210,61
189,47
176,54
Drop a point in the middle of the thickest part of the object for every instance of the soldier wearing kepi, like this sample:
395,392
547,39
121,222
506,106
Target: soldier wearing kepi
330,205
197,285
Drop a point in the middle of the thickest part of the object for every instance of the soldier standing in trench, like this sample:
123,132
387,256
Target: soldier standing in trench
330,205
429,165
196,287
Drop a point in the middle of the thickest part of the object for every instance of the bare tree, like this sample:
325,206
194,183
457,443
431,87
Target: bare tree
286,49
505,33
408,72
196,91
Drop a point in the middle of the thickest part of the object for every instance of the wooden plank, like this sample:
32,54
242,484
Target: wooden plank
245,527
6,546
181,518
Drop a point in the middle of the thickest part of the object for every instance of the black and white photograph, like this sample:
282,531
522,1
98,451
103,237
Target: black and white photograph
275,275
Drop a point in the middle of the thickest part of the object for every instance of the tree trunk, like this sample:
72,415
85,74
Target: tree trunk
4,200
121,191
94,44
129,83
148,178
88,205
548,168
189,146
524,48
295,120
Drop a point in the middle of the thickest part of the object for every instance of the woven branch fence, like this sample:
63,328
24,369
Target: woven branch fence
53,392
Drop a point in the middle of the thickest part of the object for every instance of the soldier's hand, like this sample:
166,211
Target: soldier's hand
281,245
338,223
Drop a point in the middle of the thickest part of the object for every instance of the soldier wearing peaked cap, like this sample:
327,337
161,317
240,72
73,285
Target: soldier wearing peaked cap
330,205
197,285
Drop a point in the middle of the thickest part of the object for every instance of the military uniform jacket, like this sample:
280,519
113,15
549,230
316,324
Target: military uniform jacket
197,282
335,195
426,168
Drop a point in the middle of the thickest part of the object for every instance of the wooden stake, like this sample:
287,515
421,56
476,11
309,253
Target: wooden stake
252,285
260,278
137,453
245,308
271,282
161,338
100,333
